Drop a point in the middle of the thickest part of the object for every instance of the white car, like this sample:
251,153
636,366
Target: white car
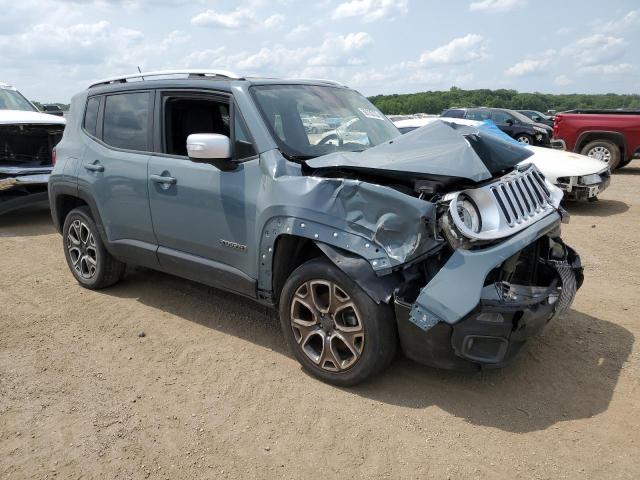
580,177
27,138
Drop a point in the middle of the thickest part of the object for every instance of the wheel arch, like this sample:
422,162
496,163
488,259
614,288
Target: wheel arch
593,135
287,243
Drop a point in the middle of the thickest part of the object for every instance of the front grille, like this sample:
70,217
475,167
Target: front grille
522,195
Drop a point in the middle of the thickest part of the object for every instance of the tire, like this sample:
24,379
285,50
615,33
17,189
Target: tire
524,138
82,244
603,150
319,341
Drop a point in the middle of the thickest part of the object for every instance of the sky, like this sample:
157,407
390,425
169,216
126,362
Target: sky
52,49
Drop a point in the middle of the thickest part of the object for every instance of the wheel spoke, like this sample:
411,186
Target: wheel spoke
329,360
321,294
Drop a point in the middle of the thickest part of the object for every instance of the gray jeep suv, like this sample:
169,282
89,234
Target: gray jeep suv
435,240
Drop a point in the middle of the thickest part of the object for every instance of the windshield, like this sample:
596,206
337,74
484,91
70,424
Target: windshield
13,100
309,120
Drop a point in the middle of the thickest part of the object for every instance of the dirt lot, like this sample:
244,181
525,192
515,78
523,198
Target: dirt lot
210,391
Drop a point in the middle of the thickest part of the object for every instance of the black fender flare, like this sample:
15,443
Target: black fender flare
358,269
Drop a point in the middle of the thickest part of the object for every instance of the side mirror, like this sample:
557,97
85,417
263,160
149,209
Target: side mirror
509,122
536,118
211,148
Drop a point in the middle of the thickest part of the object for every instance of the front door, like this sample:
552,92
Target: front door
203,217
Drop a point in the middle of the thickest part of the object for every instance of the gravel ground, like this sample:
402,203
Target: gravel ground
210,391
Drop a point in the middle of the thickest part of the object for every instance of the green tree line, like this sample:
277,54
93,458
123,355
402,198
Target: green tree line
437,101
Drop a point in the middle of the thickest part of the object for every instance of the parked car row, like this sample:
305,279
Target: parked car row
514,124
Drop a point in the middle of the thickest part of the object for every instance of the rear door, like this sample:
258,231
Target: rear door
203,217
113,172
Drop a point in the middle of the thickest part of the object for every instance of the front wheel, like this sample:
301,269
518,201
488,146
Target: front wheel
336,332
524,138
88,259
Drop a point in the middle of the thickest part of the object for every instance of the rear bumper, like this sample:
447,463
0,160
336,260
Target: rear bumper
504,316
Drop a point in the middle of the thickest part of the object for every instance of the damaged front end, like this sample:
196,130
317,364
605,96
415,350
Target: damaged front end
25,163
503,276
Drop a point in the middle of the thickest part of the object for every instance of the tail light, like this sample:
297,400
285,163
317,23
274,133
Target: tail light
54,155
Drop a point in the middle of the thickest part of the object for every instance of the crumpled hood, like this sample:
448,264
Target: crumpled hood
559,163
436,150
19,117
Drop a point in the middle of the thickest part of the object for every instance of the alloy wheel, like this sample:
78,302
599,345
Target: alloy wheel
523,139
326,325
81,246
600,153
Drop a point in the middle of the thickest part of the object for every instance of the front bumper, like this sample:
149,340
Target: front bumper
576,191
22,187
462,330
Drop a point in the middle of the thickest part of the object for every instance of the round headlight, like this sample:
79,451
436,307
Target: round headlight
468,213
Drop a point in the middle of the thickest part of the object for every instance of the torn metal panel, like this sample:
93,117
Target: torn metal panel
382,225
456,289
380,289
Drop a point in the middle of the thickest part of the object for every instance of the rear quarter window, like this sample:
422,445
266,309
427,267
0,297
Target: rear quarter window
90,122
126,121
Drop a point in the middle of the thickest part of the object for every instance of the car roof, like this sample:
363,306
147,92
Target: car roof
202,79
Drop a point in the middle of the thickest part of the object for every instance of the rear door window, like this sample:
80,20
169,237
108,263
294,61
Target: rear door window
126,121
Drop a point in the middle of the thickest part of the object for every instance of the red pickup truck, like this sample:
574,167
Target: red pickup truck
609,135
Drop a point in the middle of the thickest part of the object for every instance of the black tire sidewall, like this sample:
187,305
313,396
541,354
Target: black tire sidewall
101,254
378,323
612,147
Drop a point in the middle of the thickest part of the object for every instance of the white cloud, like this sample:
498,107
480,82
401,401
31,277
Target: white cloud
459,50
596,49
496,5
371,10
274,21
334,52
339,49
610,69
562,80
631,19
238,18
298,31
526,67
531,66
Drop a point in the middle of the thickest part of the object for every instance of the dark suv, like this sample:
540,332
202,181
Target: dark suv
438,238
513,123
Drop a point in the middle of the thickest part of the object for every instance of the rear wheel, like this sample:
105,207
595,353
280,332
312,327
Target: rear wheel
524,138
87,258
603,150
333,328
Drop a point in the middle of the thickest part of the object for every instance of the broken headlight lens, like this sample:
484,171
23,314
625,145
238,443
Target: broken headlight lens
468,213
590,179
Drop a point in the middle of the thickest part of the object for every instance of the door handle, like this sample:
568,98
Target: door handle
94,167
163,180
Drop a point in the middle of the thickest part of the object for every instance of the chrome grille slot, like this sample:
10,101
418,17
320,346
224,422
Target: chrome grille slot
521,195
509,204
